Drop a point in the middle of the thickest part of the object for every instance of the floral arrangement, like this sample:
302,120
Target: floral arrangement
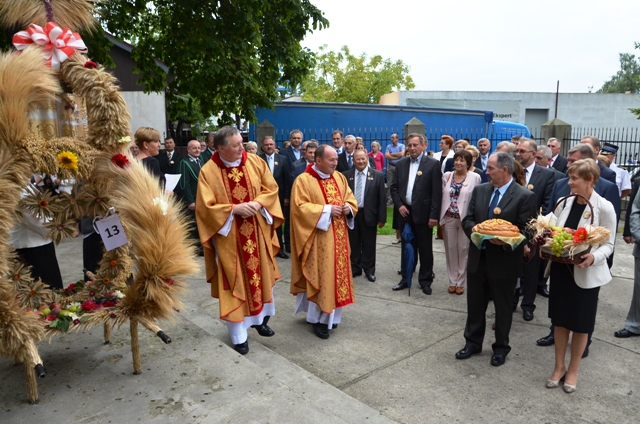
564,242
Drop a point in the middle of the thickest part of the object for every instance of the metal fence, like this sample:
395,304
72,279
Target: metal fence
626,139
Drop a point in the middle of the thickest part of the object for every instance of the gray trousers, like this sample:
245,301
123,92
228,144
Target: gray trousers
633,317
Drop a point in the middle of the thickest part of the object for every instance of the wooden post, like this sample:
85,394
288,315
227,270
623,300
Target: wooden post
135,346
107,333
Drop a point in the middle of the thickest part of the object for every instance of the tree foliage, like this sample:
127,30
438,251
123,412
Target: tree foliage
343,77
627,79
224,56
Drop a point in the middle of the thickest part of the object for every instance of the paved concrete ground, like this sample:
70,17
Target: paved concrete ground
392,359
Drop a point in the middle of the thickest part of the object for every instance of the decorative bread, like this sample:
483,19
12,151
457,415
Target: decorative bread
497,227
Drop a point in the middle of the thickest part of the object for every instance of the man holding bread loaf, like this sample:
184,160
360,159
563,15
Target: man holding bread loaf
494,267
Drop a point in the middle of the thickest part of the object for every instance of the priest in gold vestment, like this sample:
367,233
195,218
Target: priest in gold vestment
322,208
238,211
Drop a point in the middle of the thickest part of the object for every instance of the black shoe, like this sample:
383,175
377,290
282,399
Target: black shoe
400,286
321,330
399,272
527,315
542,291
466,353
264,330
586,352
624,333
242,348
282,255
427,290
370,277
546,341
497,359
334,326
356,273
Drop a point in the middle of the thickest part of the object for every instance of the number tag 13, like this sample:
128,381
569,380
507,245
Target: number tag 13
111,232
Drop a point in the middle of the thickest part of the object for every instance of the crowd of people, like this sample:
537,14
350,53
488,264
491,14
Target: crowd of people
247,209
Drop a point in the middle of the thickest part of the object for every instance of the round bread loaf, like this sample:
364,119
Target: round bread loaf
497,227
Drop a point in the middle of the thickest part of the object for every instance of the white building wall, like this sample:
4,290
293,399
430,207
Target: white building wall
147,110
578,109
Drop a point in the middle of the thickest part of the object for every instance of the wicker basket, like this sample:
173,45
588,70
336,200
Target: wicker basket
546,253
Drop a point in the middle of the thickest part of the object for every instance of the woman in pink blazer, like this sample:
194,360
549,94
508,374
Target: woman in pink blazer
457,187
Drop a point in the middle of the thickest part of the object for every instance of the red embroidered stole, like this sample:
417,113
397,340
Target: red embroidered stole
333,196
238,187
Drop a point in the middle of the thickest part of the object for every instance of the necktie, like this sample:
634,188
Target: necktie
270,163
494,203
169,154
197,162
359,187
349,162
550,163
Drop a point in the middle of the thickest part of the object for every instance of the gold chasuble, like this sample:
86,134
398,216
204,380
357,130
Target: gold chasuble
320,259
240,266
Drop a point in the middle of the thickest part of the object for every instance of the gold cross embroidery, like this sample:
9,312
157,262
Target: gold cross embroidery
235,175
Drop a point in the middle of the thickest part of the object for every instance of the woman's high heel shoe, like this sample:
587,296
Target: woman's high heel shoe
552,384
568,388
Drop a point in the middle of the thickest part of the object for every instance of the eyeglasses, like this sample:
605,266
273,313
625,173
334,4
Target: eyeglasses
522,151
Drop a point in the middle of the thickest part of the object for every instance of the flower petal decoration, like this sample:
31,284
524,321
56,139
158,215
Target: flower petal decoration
90,64
162,204
580,235
68,160
120,160
124,139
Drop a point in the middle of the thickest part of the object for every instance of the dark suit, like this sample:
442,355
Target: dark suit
560,164
494,270
289,154
169,166
632,197
282,175
541,184
425,204
478,162
187,188
343,162
299,169
373,210
557,174
205,156
609,175
291,158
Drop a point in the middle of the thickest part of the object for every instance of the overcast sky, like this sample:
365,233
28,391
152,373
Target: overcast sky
491,45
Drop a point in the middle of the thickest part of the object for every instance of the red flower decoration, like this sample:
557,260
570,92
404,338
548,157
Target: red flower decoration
580,235
109,304
120,160
90,64
90,305
50,317
169,281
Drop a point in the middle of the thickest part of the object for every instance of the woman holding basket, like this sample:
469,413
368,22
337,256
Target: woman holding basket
573,290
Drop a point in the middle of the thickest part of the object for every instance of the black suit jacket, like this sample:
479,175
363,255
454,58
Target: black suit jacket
518,206
632,197
170,167
343,164
281,173
607,174
557,174
427,189
560,164
188,185
291,157
375,198
541,183
299,169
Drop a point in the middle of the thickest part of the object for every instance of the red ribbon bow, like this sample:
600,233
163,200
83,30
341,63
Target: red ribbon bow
58,43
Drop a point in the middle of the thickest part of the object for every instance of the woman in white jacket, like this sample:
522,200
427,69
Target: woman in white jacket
573,289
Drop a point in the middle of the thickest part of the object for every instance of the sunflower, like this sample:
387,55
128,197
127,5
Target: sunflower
68,160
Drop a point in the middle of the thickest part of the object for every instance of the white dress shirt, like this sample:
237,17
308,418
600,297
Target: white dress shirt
413,171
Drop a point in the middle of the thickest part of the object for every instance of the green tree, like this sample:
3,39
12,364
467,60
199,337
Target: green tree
343,77
225,57
627,79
